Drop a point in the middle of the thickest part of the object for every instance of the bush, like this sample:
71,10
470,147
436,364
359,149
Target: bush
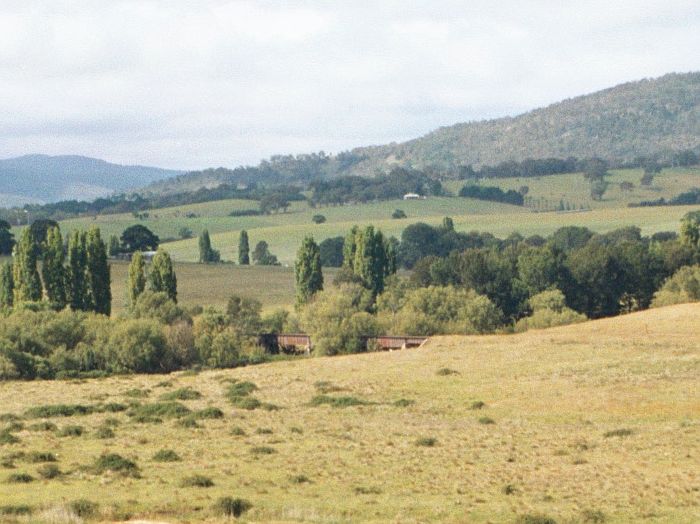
196,481
549,310
139,346
158,306
231,507
318,219
49,471
112,462
477,404
446,372
682,287
398,214
237,431
166,455
299,479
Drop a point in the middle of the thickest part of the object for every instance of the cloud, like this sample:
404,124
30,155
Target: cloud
188,84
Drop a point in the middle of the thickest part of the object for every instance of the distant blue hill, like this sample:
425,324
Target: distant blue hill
43,178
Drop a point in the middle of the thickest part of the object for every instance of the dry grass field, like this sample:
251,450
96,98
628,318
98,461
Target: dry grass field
597,422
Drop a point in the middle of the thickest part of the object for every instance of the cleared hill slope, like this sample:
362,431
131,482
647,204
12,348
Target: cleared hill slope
582,423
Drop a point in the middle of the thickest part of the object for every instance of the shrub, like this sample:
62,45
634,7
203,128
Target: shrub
71,431
318,219
427,442
49,471
166,455
139,346
549,310
509,489
486,420
158,306
20,478
182,394
84,508
337,402
112,462
196,481
231,507
623,432
398,214
40,456
683,286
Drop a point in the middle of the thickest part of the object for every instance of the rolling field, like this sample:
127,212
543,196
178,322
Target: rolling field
598,422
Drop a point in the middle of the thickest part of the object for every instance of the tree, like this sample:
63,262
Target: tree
207,254
595,169
690,230
139,238
318,219
39,229
114,247
331,250
307,271
76,282
7,239
7,286
53,270
262,255
98,274
598,188
398,214
162,277
27,283
137,278
243,249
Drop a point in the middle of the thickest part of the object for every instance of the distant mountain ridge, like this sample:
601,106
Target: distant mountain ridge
641,118
43,178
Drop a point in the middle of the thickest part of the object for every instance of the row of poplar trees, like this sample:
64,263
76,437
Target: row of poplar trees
78,277
368,259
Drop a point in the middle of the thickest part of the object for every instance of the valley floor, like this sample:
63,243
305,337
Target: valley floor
594,421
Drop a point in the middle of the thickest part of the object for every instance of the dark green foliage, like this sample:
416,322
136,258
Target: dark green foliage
20,478
138,238
398,214
114,247
98,274
262,255
166,455
182,394
7,239
27,283
331,252
71,431
76,282
207,254
49,471
243,249
318,219
7,286
196,481
231,507
84,508
112,462
160,409
623,432
53,271
307,271
188,422
337,402
427,442
492,193
162,278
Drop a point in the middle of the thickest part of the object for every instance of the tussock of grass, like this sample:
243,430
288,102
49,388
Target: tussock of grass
9,417
160,409
325,386
404,403
208,413
593,516
486,421
296,429
509,489
104,432
14,426
42,426
16,510
112,407
477,404
231,507
367,490
427,442
71,431
535,518
188,422
299,479
262,450
240,389
20,478
196,481
49,471
137,393
237,431
248,403
166,455
40,456
337,402
84,508
8,438
59,410
445,372
181,394
115,463
622,432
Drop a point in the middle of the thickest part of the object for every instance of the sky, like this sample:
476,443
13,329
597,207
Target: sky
189,84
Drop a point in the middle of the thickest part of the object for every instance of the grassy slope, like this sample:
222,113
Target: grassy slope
552,394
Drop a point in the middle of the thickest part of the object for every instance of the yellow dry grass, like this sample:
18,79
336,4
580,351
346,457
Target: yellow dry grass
552,395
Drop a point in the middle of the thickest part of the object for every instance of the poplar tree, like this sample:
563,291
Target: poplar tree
349,248
243,249
27,283
162,276
137,277
204,247
7,286
53,271
307,271
98,274
76,282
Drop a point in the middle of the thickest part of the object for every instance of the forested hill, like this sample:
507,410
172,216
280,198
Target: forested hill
642,118
45,178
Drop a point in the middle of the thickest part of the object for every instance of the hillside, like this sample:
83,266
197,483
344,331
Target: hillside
43,178
478,429
639,118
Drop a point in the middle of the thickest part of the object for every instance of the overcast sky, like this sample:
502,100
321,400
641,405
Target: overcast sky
190,84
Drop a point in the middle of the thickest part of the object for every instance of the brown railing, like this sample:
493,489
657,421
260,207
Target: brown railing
301,342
